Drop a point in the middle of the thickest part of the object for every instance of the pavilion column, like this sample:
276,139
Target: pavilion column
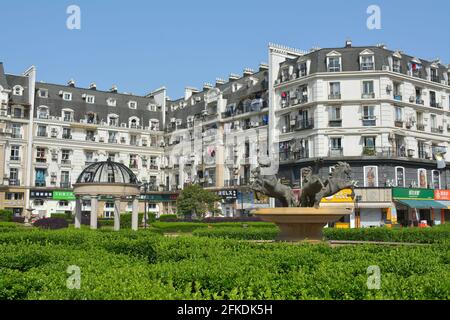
94,212
135,214
77,212
116,214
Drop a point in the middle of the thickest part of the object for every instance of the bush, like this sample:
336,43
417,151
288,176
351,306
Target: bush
18,219
125,220
439,234
168,217
52,223
250,233
6,215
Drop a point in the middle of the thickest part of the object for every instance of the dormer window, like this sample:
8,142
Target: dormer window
434,74
18,90
42,112
367,60
132,104
43,93
285,74
302,69
90,99
67,96
111,102
152,107
134,123
415,68
334,62
154,125
113,120
67,115
397,65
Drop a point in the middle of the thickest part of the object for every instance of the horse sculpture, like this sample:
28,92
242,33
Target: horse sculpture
314,189
270,186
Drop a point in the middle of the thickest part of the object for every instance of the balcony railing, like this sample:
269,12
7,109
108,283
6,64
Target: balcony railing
370,95
66,162
244,181
112,140
419,101
437,129
67,136
66,185
435,79
304,124
42,134
153,167
90,138
379,152
397,68
421,127
335,123
398,97
16,159
231,183
369,122
334,96
41,160
293,156
16,135
336,152
14,182
40,184
367,66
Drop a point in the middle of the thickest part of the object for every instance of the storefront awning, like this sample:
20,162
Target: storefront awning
423,204
446,204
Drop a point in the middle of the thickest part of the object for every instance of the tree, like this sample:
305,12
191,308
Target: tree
196,200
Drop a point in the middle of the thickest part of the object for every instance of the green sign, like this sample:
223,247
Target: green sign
63,195
159,197
416,194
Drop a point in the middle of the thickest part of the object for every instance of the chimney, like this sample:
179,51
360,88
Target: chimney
207,86
113,89
93,86
189,91
382,46
71,83
233,77
220,82
263,67
348,43
248,72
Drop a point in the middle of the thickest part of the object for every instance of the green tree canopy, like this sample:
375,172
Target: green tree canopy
196,200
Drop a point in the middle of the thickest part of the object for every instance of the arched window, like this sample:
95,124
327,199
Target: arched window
18,90
113,120
42,112
133,122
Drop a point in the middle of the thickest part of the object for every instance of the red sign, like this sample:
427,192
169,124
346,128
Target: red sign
442,195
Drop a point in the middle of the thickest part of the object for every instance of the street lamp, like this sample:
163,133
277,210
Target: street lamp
146,187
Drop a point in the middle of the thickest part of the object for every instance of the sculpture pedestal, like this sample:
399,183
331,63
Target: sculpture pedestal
298,224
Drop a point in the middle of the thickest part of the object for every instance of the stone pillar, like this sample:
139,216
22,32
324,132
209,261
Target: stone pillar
135,214
94,212
116,214
78,213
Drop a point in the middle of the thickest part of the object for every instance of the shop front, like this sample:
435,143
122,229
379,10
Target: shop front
227,203
165,203
418,207
443,196
248,200
47,202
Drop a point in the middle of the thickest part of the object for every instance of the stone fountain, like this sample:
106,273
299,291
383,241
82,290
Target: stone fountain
304,218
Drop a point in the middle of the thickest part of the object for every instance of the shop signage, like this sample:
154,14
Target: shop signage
159,197
340,197
417,194
443,195
227,194
63,195
39,194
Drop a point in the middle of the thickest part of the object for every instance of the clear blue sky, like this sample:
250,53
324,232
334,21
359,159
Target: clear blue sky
142,45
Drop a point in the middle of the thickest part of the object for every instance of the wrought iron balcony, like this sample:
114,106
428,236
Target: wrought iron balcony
304,124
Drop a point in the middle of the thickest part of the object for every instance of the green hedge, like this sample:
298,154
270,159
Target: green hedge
143,265
188,227
125,221
437,234
167,217
6,215
240,233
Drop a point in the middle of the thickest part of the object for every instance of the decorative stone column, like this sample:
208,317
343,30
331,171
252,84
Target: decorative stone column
135,214
94,212
78,204
116,214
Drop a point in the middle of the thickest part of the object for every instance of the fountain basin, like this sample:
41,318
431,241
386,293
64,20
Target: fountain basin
300,224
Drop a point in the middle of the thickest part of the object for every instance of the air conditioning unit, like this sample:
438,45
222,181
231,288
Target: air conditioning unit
443,82
386,68
441,128
410,152
412,99
8,131
389,88
292,123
